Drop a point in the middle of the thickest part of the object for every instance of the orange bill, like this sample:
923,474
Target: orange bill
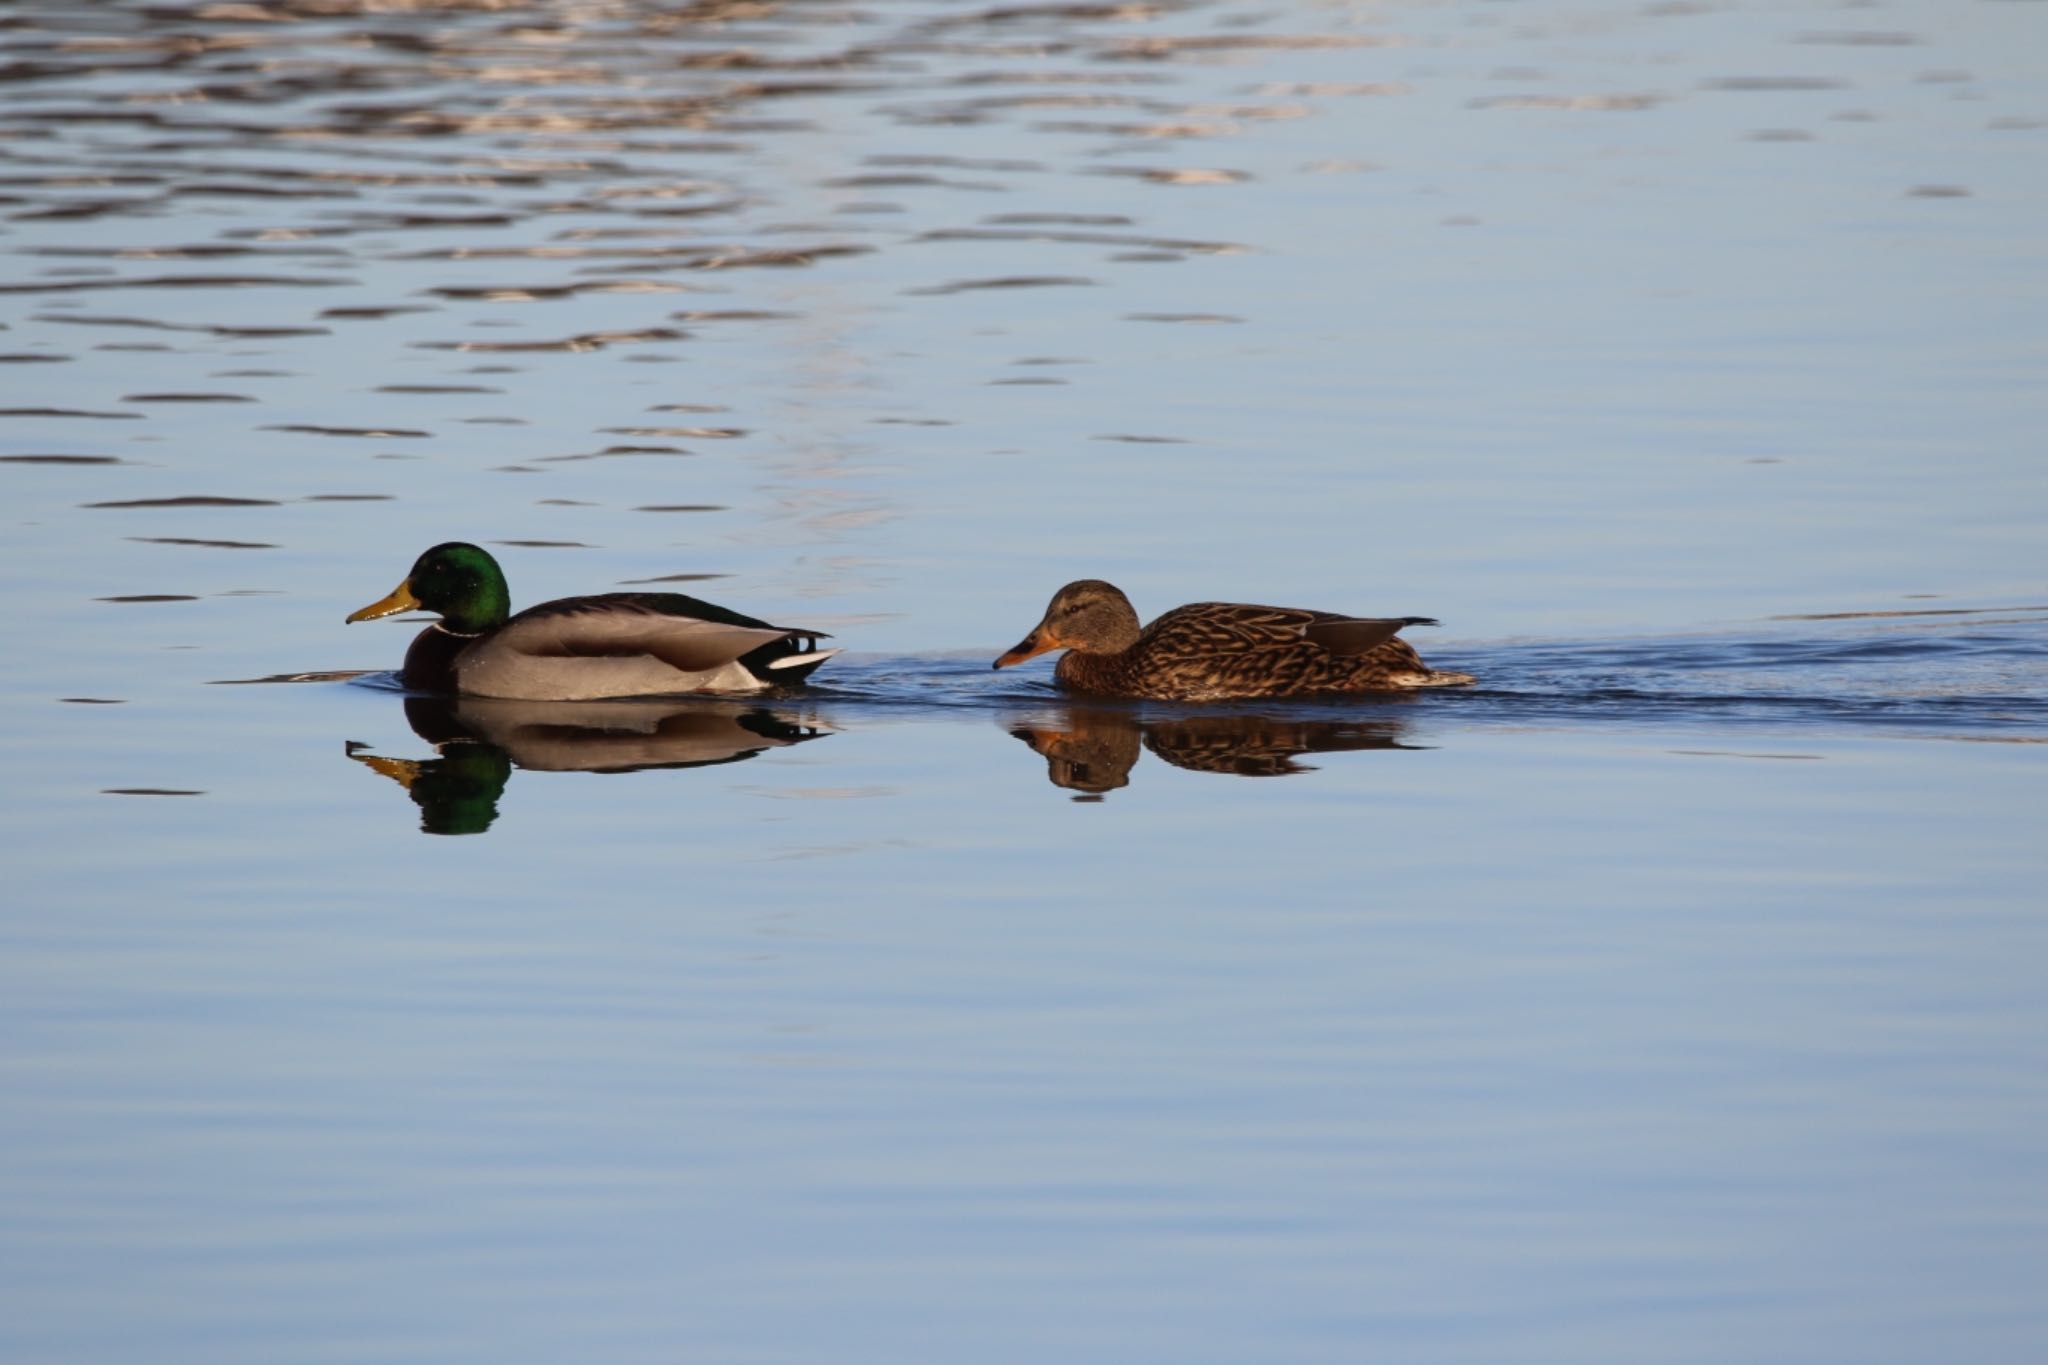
1037,642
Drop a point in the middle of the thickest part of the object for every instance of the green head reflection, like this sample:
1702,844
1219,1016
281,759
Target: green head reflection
457,791
478,741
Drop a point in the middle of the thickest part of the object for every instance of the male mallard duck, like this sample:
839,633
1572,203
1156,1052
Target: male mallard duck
1212,651
616,644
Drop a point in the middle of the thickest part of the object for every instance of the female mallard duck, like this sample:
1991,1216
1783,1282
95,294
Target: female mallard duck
616,644
1213,651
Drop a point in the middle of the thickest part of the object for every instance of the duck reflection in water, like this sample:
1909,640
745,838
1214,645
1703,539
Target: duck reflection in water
1092,749
478,741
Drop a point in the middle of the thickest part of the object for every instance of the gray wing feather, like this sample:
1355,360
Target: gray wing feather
621,631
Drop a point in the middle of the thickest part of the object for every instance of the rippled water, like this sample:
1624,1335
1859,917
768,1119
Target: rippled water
1677,993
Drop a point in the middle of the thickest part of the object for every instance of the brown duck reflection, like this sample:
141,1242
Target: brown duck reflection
1091,749
478,741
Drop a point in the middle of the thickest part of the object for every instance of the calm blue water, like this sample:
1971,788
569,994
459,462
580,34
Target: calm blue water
1680,993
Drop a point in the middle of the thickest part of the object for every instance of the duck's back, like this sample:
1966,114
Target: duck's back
623,644
1209,651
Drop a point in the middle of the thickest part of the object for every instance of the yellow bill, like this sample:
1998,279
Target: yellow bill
400,599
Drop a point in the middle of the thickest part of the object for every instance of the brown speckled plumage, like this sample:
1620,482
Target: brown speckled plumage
1213,651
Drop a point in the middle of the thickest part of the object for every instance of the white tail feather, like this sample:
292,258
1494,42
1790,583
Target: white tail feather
795,660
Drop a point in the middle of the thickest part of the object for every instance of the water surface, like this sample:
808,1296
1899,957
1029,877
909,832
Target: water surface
1674,994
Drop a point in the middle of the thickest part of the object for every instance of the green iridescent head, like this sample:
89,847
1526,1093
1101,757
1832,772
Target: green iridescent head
459,580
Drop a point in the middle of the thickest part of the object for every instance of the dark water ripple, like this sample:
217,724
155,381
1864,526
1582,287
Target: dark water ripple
876,1040
1987,679
449,149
